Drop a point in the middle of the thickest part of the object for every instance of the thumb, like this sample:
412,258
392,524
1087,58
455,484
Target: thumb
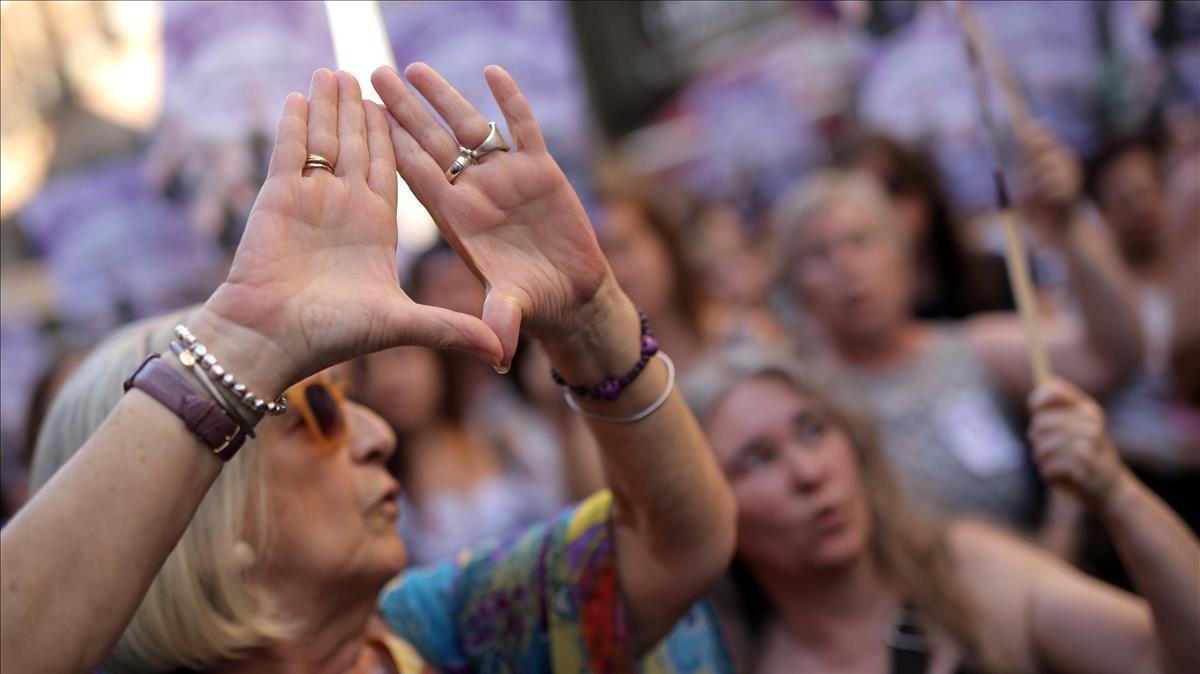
437,328
502,313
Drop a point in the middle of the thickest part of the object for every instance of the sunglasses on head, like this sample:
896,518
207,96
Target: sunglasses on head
319,400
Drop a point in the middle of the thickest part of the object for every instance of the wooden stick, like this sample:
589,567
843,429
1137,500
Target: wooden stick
1014,247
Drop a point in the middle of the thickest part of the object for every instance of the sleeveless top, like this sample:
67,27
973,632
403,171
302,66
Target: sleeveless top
948,430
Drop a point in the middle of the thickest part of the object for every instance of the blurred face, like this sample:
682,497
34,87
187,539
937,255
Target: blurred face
1131,199
733,271
332,503
852,275
638,256
403,385
447,282
912,211
801,501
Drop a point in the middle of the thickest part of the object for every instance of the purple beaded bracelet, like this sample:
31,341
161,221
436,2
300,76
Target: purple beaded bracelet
611,389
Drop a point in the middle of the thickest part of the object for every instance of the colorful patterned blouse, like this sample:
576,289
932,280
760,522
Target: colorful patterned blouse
544,601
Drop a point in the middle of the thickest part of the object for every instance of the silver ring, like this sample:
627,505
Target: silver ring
494,141
464,159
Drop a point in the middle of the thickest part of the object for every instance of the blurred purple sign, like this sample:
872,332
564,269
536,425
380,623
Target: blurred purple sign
918,85
229,65
115,249
532,40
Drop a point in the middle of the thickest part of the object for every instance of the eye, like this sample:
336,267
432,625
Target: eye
816,254
812,431
756,456
809,427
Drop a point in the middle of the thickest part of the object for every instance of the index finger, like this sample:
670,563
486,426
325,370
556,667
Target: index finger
517,113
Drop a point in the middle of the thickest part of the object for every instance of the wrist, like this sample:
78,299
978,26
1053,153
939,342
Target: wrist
252,358
1117,498
605,341
1064,228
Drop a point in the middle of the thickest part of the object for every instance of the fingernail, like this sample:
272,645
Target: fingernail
502,369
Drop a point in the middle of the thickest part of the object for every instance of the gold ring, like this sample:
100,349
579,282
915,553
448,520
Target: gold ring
317,161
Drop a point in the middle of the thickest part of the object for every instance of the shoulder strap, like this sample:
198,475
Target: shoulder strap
906,639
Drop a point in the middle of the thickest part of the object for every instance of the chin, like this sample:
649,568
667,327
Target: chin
389,557
839,550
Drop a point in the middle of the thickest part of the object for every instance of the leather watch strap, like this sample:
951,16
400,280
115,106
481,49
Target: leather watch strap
201,414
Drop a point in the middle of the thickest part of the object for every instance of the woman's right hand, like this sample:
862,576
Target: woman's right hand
314,280
513,218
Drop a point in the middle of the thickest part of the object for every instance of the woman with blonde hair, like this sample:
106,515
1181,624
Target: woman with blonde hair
835,572
947,394
153,547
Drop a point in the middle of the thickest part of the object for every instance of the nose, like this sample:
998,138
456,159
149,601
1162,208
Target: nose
847,259
371,439
807,470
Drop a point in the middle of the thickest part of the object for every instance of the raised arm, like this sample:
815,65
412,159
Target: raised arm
516,221
313,282
1106,344
1162,557
1044,615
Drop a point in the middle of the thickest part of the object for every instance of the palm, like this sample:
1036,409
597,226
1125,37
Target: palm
517,220
513,217
326,258
316,269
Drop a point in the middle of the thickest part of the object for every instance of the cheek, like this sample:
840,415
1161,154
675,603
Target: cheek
759,497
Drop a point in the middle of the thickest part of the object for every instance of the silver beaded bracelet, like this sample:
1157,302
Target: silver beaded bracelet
216,373
225,401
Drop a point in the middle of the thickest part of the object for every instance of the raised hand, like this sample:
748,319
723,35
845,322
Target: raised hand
1051,179
314,279
512,217
1071,445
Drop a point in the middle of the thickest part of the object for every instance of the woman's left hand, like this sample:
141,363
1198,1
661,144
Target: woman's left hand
1071,445
1050,177
512,217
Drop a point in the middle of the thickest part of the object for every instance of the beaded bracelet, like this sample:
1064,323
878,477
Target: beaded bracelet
612,387
188,359
217,373
650,409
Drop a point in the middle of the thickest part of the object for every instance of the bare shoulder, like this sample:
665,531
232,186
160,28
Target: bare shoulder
998,570
979,543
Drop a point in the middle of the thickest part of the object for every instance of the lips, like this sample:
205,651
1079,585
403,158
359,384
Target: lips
829,519
391,495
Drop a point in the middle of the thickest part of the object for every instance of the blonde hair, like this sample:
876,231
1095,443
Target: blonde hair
811,197
792,213
202,606
907,545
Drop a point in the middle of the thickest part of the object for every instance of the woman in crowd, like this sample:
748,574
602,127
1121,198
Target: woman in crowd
952,281
1128,188
945,393
282,568
640,233
835,572
736,268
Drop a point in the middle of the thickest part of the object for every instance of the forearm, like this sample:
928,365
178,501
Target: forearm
1103,289
1162,558
81,555
674,513
660,469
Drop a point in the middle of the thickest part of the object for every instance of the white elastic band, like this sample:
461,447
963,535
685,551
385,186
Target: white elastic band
640,415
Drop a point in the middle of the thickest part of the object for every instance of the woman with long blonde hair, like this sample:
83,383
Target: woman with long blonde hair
835,572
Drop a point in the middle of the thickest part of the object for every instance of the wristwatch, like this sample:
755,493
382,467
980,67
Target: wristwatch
202,415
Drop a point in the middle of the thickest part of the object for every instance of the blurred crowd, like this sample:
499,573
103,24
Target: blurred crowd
859,238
